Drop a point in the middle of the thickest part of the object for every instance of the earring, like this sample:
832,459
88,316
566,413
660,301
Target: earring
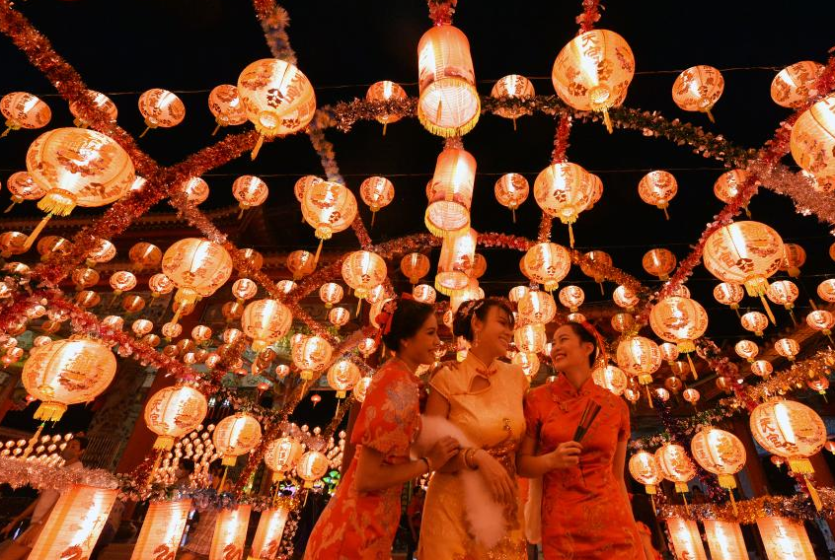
475,338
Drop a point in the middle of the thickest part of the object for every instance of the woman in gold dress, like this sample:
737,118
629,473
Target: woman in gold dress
482,397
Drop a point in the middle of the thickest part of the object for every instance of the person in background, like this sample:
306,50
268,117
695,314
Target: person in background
200,538
39,510
361,520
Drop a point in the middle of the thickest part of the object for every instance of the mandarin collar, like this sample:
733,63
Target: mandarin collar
564,387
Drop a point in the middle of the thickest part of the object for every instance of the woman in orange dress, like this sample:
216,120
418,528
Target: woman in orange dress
361,519
585,507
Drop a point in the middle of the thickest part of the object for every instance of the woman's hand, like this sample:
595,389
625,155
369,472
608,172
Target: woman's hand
496,477
565,456
443,450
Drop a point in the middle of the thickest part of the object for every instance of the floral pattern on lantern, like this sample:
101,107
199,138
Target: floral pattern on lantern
610,377
66,372
593,72
161,108
265,321
449,104
311,355
511,190
450,192
658,188
795,85
563,190
342,376
162,530
698,89
173,412
455,264
236,435
226,107
547,264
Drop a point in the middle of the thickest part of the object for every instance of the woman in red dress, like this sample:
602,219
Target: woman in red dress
361,519
585,507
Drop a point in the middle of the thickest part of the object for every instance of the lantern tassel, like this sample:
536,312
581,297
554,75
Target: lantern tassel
6,132
33,441
736,310
144,132
177,315
666,214
710,116
733,501
385,124
373,215
36,232
813,493
768,310
747,211
514,124
602,293
257,147
607,120
241,213
338,402
359,305
654,507
9,209
570,236
318,252
686,505
512,212
215,131
692,366
222,480
649,397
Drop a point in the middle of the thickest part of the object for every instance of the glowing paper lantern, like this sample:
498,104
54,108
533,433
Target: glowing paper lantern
659,262
728,185
244,289
547,264
625,298
593,71
361,389
24,110
342,376
536,307
610,377
528,362
198,267
762,368
788,348
725,540
755,322
312,466
644,469
511,191
145,255
12,243
331,294
692,396
785,539
173,412
74,524
384,92
101,102
455,264
794,85
103,251
328,208
821,320
747,349
160,107
66,372
572,297
592,266
277,97
729,294
563,190
236,435
250,191
415,266
226,107
679,320
376,193
450,193
449,104
229,538
162,530
311,355
269,532
424,293
22,187
339,317
624,323
363,271
687,543
812,138
282,455
698,89
720,453
826,290
658,188
530,338
639,356
300,263
675,465
513,87
266,321
77,167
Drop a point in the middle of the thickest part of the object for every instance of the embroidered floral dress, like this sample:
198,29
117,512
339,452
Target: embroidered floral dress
493,419
585,514
362,525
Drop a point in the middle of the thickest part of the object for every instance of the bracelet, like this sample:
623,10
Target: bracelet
469,454
428,464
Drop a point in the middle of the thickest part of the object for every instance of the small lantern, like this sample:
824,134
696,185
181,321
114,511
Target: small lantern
236,435
161,108
384,92
511,191
658,188
698,89
415,266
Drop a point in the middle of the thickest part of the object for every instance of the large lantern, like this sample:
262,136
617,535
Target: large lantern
198,267
311,355
659,262
173,412
312,466
644,468
564,190
363,271
77,167
679,320
282,455
229,538
449,104
610,377
511,191
74,524
675,465
795,85
236,435
376,193
792,431
277,97
24,110
785,539
547,264
162,530
658,188
450,193
593,71
161,108
455,265
698,89
342,376
384,92
687,543
266,321
415,266
720,453
268,535
328,208
812,139
65,372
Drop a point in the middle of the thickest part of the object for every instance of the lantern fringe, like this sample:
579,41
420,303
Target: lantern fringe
798,507
50,411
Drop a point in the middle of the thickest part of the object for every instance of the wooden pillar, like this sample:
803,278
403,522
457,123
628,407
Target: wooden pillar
753,466
823,477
